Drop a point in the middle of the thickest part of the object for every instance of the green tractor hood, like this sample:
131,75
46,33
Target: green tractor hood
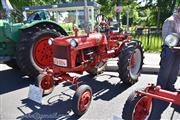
42,23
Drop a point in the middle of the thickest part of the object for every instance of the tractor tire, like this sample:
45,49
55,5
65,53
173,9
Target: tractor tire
81,100
98,69
33,52
137,107
46,83
130,62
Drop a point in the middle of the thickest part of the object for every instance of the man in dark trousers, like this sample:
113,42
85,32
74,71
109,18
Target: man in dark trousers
170,58
169,64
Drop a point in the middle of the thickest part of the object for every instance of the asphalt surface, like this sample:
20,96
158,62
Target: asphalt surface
109,96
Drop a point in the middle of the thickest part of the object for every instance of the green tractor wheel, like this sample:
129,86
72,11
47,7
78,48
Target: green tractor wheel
33,52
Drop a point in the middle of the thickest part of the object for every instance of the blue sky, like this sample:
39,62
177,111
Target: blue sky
143,2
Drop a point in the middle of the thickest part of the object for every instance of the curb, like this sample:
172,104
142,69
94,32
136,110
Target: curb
151,69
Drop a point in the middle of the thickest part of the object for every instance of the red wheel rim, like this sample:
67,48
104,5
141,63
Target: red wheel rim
85,100
142,108
42,53
46,83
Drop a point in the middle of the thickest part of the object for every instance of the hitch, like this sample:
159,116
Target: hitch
158,93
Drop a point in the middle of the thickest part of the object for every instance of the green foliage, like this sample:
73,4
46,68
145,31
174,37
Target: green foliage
68,27
146,15
161,9
108,7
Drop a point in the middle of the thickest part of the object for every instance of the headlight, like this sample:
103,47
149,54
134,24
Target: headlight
74,43
50,41
172,40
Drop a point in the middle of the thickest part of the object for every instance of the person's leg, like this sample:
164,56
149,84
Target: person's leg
158,106
166,63
173,73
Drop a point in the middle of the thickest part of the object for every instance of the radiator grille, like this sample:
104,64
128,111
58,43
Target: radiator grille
62,54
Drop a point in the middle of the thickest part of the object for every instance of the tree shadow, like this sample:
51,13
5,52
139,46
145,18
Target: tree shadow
12,79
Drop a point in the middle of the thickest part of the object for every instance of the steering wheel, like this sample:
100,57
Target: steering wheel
102,23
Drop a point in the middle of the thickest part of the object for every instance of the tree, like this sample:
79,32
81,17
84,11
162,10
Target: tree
160,9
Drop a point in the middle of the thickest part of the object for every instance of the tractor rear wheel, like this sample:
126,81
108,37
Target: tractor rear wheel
137,107
98,69
130,62
33,52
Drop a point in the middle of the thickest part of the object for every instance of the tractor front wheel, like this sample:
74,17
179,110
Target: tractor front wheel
81,100
137,107
46,83
130,62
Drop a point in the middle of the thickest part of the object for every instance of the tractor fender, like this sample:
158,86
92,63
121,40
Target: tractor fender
45,22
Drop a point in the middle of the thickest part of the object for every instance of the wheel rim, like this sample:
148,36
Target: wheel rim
85,100
42,53
135,63
46,83
142,109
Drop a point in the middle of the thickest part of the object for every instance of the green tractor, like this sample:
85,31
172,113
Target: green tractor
25,44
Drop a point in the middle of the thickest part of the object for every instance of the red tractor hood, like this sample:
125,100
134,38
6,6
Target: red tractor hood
84,41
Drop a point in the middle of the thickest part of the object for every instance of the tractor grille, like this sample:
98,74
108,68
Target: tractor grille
62,56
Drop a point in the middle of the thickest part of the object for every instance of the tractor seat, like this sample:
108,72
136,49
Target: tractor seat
114,26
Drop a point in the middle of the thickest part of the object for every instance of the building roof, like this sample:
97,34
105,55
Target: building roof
63,7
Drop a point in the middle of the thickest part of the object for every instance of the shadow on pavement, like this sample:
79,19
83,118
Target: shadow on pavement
58,109
103,89
176,109
12,80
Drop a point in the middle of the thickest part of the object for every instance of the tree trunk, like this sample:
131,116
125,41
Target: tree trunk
158,18
173,5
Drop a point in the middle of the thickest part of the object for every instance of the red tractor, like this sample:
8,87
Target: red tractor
90,52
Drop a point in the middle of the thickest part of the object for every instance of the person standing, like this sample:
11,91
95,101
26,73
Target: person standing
169,64
170,58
